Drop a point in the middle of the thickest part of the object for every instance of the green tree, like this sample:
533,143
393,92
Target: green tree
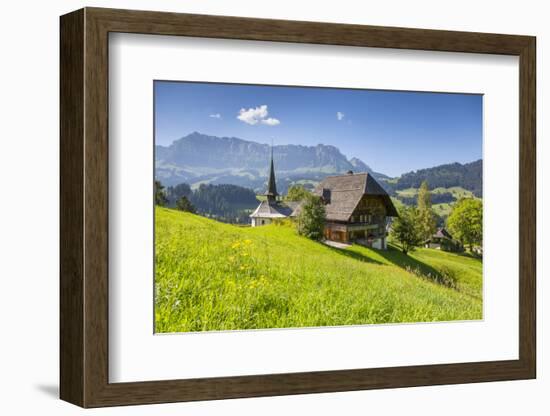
160,194
297,193
465,222
427,223
311,219
183,204
405,229
424,198
426,217
173,193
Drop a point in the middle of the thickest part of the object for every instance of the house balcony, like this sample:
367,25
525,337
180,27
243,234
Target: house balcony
362,226
353,226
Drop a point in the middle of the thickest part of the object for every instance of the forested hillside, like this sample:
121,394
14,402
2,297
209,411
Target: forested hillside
227,203
467,176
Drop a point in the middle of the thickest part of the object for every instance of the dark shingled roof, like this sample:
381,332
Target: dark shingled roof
294,206
347,190
443,233
274,209
271,185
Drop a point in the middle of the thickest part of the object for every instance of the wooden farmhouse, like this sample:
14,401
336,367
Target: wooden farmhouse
442,240
357,209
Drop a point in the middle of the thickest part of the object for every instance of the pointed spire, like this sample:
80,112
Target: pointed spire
271,185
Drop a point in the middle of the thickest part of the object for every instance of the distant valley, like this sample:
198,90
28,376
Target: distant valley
198,159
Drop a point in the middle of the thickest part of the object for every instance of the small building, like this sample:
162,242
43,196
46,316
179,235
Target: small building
357,209
442,240
268,211
272,208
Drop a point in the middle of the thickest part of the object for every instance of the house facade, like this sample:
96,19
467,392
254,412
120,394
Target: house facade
357,209
442,240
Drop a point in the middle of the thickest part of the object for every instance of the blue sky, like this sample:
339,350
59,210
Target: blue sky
391,131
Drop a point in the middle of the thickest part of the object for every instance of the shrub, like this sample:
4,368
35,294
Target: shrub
466,222
311,219
405,229
183,204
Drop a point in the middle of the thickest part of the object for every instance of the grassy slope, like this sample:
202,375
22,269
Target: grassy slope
214,276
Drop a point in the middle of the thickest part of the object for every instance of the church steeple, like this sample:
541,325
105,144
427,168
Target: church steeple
271,185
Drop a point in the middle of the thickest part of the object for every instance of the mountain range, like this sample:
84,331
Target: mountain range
198,158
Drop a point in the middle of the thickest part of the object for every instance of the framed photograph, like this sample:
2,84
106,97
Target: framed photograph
257,207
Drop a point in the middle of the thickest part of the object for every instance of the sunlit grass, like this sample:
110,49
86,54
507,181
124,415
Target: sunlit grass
214,276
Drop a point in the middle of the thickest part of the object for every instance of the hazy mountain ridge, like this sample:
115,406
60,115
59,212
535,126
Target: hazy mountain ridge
198,158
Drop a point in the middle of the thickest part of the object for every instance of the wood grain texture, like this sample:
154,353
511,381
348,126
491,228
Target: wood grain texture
225,27
528,207
71,184
96,208
84,207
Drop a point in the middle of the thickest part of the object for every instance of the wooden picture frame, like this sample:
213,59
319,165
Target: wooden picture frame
84,207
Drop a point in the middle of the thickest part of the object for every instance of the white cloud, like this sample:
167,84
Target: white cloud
257,115
216,115
271,121
253,115
340,116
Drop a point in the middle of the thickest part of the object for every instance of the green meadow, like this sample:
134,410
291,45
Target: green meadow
215,276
